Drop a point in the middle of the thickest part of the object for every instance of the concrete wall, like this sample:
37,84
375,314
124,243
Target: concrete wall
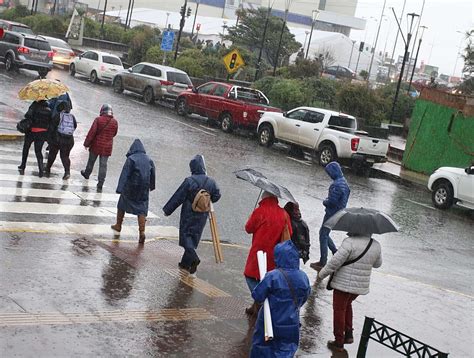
441,133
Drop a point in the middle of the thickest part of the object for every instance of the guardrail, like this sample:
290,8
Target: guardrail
394,340
104,45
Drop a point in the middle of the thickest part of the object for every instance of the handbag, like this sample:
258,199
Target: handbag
24,125
328,286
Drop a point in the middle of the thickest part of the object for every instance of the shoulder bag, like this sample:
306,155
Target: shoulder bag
292,290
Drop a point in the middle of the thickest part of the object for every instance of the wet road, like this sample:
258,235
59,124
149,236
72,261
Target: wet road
430,258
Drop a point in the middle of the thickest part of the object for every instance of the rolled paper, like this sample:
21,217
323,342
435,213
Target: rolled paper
267,317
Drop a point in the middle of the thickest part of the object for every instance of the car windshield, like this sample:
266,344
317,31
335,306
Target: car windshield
111,60
251,95
179,77
37,44
342,121
22,29
59,43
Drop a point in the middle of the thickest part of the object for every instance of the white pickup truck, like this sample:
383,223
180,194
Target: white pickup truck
328,134
451,185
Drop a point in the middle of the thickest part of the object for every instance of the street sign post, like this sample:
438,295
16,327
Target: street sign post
233,61
167,41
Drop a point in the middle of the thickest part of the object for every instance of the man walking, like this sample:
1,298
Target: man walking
99,140
337,200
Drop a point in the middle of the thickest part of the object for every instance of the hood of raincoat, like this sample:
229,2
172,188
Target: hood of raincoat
197,165
136,147
287,255
334,170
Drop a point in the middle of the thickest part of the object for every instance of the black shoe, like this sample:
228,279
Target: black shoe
194,266
99,186
318,266
335,347
40,173
66,176
83,173
21,169
183,267
47,172
348,337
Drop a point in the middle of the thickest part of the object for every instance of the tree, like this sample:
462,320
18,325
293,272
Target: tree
248,33
326,57
364,74
467,86
302,69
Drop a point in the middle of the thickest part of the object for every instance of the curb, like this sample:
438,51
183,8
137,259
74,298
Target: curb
10,136
377,173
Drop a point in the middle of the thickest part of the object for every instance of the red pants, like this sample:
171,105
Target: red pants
342,314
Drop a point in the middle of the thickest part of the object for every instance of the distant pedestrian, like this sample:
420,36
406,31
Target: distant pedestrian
61,138
350,281
136,181
300,236
266,224
287,289
192,222
99,140
40,116
337,200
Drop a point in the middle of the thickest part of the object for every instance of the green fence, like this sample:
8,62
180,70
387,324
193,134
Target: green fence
439,136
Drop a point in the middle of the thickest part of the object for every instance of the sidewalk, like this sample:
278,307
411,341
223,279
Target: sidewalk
9,117
394,171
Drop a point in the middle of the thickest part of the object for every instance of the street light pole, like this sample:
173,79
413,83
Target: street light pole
287,9
416,57
396,38
131,13
314,16
376,40
352,50
262,44
103,19
459,50
195,15
128,13
416,36
181,26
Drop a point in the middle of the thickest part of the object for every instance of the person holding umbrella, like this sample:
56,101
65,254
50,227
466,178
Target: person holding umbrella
350,268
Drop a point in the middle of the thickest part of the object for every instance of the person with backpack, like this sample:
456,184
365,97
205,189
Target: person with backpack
61,138
195,196
300,236
99,140
287,288
136,181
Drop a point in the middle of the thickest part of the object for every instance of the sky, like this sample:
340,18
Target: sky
441,41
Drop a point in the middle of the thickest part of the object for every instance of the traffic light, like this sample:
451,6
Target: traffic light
361,46
188,14
183,10
233,60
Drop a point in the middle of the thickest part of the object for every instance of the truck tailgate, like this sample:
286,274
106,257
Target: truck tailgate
373,146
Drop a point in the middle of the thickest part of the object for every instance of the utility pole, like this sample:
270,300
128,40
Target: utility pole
416,57
287,9
195,15
396,39
181,26
416,36
103,19
262,44
361,49
376,40
131,13
352,50
128,13
314,16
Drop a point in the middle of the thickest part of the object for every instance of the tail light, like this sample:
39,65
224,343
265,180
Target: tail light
355,144
72,54
50,54
102,67
167,83
23,50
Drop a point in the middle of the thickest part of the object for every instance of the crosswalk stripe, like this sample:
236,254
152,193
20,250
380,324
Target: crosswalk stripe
12,150
55,209
33,167
35,179
31,159
85,229
58,194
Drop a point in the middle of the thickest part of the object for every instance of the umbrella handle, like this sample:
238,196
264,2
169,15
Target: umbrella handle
258,198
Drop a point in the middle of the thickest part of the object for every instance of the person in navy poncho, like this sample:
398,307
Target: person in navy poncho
285,302
191,223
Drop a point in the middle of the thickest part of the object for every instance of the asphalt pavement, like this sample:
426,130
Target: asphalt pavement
70,288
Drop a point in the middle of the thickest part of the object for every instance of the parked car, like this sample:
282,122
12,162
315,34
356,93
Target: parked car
451,185
98,66
328,134
229,105
18,50
153,81
15,27
62,52
339,72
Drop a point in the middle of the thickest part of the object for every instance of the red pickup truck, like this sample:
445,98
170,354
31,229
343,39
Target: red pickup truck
229,105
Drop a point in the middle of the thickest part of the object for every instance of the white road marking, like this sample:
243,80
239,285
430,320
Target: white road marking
12,150
209,129
33,164
58,194
300,161
2,75
35,179
421,204
138,102
190,126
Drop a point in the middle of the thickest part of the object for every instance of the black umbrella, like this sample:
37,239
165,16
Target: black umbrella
361,221
260,181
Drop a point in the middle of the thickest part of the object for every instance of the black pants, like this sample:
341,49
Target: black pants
39,139
64,149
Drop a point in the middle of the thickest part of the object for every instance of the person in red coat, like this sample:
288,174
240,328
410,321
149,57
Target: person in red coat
266,224
99,140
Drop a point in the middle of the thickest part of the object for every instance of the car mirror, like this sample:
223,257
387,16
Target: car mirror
284,114
469,170
194,89
231,95
129,69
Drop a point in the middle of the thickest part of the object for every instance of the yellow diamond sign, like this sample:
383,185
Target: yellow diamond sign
233,61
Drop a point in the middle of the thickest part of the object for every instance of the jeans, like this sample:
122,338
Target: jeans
325,241
342,314
251,283
39,139
102,165
189,257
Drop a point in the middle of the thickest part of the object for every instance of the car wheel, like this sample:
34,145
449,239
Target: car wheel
43,73
94,78
226,123
442,195
327,154
265,135
72,69
118,85
148,95
181,107
9,64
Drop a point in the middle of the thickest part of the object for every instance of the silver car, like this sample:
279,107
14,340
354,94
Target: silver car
62,52
154,82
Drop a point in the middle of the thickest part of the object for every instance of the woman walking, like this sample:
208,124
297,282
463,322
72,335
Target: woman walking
136,181
40,116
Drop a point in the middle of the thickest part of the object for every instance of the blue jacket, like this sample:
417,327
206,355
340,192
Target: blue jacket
338,191
136,180
53,103
285,314
191,223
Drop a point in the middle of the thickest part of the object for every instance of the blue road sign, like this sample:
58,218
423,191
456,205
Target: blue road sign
167,41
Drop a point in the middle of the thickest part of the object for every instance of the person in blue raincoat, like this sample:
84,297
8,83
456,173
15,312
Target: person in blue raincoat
287,289
136,181
191,223
337,200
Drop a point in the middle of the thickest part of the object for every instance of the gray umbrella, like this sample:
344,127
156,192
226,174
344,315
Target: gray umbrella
361,221
260,181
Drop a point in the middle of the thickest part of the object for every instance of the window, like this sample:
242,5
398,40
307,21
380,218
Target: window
137,68
250,95
59,43
179,77
11,39
206,89
94,56
87,55
21,29
314,117
151,71
297,115
220,90
37,44
341,121
111,60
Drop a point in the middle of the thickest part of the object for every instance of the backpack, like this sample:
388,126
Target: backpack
202,199
66,124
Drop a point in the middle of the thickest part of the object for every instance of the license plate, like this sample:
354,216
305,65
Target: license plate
370,160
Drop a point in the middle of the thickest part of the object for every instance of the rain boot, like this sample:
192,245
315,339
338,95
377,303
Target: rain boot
118,225
141,228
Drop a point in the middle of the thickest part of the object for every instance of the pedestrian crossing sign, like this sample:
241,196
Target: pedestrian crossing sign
233,61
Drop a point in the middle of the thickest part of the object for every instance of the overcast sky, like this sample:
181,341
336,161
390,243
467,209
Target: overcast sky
441,40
